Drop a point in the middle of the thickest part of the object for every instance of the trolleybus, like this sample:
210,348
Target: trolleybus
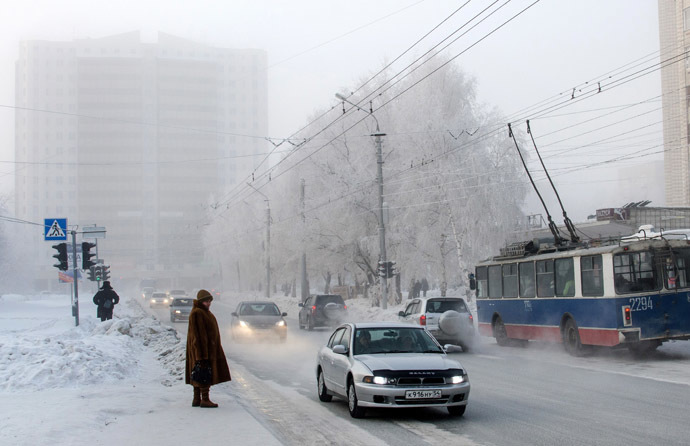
632,292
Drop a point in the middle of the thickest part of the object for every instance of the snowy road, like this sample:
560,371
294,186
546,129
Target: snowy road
538,395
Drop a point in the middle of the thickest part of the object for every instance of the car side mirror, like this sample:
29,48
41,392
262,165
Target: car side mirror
300,304
284,314
234,313
401,313
452,348
340,349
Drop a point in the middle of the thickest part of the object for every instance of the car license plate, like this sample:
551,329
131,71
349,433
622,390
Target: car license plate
422,394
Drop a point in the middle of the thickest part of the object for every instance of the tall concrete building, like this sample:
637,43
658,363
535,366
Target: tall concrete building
139,138
674,38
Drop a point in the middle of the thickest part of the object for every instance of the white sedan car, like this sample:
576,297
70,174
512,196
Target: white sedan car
390,365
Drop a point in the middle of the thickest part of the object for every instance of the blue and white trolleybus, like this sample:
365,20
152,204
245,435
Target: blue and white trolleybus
632,292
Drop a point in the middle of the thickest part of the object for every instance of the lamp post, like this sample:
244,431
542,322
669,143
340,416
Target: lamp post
268,242
382,229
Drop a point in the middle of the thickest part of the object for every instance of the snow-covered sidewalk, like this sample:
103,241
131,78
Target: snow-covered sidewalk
105,383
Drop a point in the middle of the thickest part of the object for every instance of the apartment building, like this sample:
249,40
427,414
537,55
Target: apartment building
137,137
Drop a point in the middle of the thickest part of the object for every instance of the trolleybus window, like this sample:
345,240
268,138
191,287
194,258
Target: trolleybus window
677,277
565,277
545,278
482,283
526,270
634,272
510,280
495,290
592,281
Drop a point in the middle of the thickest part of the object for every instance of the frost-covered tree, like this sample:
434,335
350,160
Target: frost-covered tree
450,183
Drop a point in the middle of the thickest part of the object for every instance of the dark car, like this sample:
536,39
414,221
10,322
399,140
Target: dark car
322,310
257,320
180,307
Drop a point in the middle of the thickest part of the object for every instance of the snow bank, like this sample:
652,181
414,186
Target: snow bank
53,353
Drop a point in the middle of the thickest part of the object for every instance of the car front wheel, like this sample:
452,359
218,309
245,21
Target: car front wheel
323,392
353,403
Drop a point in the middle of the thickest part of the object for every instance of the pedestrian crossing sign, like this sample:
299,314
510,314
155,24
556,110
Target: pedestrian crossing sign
55,228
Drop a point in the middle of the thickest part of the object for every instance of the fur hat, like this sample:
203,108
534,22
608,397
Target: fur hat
106,285
203,295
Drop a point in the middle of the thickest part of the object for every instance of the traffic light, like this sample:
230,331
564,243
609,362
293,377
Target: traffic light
390,270
92,274
86,255
106,272
382,269
98,272
61,256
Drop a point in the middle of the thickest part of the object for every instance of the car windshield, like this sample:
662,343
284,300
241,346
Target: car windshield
255,309
159,295
183,302
371,341
323,300
441,306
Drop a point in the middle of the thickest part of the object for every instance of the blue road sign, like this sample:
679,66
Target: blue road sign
55,229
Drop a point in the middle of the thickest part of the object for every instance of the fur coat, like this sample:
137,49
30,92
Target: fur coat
203,343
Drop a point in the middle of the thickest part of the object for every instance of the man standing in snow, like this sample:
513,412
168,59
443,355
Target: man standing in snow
204,352
106,298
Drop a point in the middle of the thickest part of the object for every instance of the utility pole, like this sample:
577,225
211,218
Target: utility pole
268,241
382,228
75,304
268,249
304,288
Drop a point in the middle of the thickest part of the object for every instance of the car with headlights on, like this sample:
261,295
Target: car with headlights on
159,299
258,320
180,307
390,365
448,319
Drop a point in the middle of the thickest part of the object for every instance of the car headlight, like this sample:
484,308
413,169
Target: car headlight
243,324
280,323
381,380
457,379
177,312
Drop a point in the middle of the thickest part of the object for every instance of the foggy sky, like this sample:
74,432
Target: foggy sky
316,48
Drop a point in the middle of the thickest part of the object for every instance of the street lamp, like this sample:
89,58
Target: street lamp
382,228
268,242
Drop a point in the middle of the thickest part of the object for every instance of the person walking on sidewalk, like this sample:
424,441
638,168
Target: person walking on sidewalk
106,298
205,363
